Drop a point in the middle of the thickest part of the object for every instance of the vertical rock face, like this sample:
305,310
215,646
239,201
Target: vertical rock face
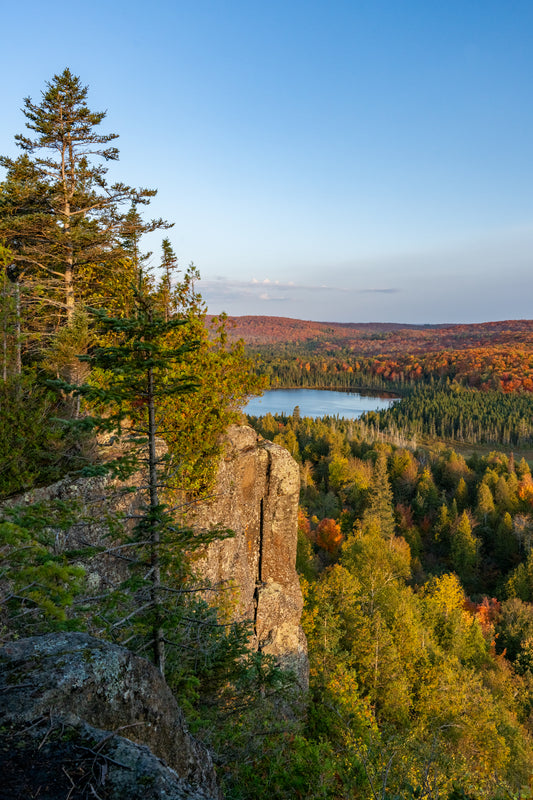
256,496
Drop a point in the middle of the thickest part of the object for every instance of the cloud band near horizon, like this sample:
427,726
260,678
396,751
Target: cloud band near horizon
274,290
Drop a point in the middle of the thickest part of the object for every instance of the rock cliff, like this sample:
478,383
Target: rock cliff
81,717
256,495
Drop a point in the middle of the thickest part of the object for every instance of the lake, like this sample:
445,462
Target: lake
316,403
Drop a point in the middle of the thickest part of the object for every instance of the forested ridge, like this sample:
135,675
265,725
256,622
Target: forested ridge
491,355
416,563
370,336
509,368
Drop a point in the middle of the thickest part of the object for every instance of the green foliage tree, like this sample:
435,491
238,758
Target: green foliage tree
506,545
520,581
137,375
193,425
34,448
38,583
427,495
58,213
464,550
485,504
515,633
461,494
442,527
504,496
380,496
404,474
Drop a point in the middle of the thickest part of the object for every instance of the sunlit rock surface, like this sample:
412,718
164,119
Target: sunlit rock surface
256,495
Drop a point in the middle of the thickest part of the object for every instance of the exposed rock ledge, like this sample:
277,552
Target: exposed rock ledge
256,496
84,716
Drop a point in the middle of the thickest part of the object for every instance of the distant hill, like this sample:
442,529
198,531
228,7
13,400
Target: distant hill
487,355
271,330
368,338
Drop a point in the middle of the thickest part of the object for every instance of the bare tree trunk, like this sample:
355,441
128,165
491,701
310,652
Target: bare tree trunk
69,290
18,334
4,329
155,536
70,301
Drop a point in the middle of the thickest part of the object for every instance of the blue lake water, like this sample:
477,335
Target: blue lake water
315,403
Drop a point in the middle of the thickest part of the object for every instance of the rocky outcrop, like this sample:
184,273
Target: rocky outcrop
256,496
100,716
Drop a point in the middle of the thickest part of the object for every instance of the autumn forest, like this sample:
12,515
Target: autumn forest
415,524
414,550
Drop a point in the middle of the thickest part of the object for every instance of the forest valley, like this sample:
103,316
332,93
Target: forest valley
415,527
406,511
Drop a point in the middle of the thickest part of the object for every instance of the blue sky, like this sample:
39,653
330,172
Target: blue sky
341,160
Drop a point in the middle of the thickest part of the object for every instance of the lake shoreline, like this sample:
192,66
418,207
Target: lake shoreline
364,392
317,403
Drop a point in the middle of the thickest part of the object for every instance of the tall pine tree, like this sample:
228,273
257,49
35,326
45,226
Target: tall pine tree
380,507
58,212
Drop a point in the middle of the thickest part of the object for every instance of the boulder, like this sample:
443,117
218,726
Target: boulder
99,716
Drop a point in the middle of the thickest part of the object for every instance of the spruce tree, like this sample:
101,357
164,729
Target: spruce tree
135,376
380,507
169,266
58,212
465,550
37,583
485,504
132,380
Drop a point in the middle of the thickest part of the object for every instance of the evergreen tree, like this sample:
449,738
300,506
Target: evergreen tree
25,225
192,425
58,213
461,494
464,549
37,583
380,506
442,527
523,468
136,374
485,504
427,493
505,499
506,545
169,267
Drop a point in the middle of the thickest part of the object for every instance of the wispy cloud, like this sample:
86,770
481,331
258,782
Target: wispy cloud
269,290
291,286
377,291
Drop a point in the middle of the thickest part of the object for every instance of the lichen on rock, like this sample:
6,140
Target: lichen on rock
92,688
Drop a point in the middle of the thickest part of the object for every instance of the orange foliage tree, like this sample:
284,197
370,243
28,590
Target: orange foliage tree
328,535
